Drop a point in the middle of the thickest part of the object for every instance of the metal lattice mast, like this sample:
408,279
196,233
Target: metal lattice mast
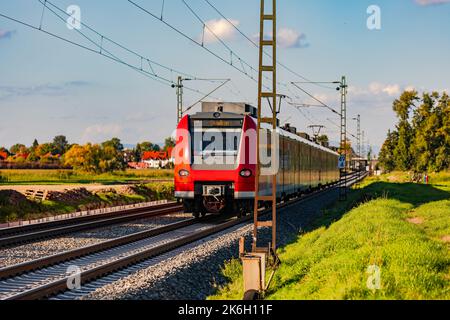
266,70
179,87
363,155
358,119
343,146
359,135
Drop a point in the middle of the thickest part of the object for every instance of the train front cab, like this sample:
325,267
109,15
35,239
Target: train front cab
220,185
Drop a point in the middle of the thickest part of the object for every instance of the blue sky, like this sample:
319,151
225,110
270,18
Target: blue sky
48,87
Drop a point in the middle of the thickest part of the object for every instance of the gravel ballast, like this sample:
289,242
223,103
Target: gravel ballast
36,250
194,271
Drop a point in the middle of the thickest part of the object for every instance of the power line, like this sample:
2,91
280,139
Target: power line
316,99
205,26
76,44
103,38
231,52
257,46
101,52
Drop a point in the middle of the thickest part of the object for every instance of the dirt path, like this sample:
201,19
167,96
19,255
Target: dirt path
63,187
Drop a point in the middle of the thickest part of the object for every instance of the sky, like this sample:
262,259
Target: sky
50,87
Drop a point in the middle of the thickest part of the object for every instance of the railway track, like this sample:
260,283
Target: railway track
45,277
40,231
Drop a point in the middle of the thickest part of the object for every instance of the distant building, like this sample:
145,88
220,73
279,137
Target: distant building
158,159
138,165
3,155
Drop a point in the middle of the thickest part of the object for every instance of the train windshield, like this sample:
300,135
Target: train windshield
216,142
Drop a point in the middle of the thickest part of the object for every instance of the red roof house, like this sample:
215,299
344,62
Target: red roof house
154,155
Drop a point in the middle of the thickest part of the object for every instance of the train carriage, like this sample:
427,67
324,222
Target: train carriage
215,161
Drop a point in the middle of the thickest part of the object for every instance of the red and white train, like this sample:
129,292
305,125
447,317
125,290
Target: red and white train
215,161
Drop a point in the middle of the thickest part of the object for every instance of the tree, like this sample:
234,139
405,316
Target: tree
402,107
44,149
442,154
386,157
111,159
60,145
32,157
323,139
94,158
148,146
169,143
425,126
423,143
137,153
84,158
18,149
114,143
35,144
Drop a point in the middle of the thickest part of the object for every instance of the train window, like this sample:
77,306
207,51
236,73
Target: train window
215,146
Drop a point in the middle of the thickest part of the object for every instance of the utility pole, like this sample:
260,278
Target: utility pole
254,263
343,146
363,150
358,119
272,120
359,161
179,87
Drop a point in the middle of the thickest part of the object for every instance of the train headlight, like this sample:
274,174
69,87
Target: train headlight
246,173
183,173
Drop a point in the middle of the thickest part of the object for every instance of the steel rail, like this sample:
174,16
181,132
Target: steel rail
20,235
86,276
37,264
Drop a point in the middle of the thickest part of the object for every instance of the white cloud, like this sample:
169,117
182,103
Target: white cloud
390,89
220,28
101,132
287,38
290,38
5,34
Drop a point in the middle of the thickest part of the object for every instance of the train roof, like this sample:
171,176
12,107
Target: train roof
210,116
232,115
298,138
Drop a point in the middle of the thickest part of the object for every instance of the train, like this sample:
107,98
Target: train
215,162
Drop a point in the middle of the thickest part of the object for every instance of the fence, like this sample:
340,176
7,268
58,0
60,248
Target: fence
32,165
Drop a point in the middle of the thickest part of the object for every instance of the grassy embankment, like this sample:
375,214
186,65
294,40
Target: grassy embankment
402,228
14,207
23,209
56,177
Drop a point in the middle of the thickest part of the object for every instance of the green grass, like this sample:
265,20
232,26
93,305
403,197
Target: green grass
55,177
25,210
399,227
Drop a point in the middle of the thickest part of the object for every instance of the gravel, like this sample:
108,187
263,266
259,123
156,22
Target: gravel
36,250
194,272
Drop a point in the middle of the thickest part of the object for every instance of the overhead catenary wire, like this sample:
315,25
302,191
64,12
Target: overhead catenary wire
106,38
100,52
253,42
232,53
316,99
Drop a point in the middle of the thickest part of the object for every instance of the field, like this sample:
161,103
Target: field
14,206
56,177
389,229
